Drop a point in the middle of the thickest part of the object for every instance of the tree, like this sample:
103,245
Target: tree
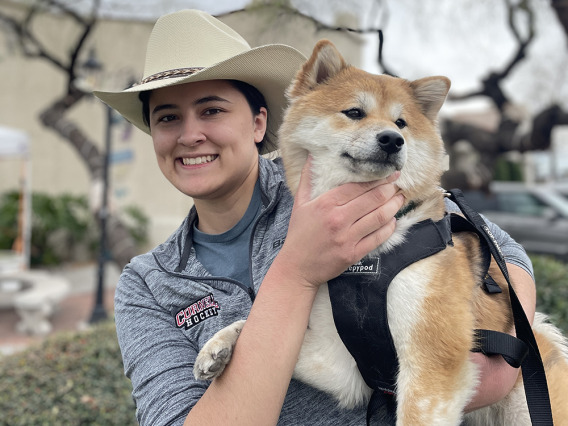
474,161
120,243
490,144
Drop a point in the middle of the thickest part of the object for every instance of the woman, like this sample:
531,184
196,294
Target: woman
208,100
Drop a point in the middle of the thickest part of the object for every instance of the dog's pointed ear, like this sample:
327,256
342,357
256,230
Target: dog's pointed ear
325,62
431,92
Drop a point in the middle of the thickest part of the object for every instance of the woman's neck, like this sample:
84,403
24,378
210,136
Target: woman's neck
221,214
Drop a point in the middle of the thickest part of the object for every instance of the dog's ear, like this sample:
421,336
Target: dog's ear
325,62
431,92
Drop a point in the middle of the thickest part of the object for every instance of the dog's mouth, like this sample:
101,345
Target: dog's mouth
380,162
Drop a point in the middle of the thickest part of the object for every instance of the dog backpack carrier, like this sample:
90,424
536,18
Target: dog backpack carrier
363,289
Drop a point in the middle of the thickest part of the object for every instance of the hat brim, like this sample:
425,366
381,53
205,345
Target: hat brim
270,68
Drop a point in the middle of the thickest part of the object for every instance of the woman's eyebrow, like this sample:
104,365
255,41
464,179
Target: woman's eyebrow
212,98
161,107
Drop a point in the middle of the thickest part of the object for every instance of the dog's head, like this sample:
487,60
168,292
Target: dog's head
361,127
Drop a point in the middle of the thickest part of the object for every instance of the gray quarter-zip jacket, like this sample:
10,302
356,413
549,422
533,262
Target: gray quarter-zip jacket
167,306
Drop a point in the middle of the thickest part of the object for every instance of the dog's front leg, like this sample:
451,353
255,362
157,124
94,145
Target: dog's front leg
216,354
432,333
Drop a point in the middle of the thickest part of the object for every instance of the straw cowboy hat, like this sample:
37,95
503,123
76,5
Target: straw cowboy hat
191,45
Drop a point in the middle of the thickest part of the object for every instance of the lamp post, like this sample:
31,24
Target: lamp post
92,69
99,312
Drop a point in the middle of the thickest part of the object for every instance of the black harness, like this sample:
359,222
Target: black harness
359,304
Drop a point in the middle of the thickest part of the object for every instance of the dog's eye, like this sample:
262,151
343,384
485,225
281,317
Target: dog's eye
401,124
354,113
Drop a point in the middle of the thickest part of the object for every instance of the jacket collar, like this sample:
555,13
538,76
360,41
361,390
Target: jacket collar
173,255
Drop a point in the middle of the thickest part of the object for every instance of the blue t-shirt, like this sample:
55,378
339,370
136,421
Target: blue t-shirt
227,254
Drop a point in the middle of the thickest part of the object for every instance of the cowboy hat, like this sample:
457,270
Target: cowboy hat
191,45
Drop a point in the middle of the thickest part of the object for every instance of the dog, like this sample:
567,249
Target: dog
362,127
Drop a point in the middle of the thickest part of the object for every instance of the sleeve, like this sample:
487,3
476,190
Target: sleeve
157,357
512,251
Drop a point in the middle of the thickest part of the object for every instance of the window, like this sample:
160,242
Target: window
521,203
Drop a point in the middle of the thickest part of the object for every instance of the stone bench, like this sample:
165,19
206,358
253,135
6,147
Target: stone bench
38,300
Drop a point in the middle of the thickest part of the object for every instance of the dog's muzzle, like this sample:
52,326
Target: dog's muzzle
390,142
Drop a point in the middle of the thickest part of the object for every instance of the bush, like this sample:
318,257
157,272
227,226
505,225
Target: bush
551,278
71,378
63,227
506,169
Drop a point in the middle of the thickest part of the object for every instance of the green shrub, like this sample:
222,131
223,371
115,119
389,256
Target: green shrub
8,220
506,169
63,227
551,278
137,224
71,379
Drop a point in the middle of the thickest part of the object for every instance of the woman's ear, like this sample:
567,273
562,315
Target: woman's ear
260,122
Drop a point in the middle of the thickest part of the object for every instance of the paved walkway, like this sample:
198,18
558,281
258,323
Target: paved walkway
73,312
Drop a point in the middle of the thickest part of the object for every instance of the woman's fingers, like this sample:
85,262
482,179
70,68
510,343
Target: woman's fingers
336,229
377,226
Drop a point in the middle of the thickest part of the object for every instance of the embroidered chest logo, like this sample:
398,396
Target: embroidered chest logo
364,266
197,312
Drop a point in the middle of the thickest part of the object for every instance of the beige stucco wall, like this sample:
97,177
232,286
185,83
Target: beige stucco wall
27,86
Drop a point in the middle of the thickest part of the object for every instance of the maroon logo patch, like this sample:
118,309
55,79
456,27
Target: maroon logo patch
197,312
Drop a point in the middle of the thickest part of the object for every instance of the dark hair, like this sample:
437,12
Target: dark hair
145,99
254,98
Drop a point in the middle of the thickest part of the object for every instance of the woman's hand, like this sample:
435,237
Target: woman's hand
333,231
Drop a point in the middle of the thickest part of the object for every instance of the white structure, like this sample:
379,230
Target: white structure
14,144
34,294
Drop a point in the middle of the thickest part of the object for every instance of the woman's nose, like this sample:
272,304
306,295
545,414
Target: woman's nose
191,132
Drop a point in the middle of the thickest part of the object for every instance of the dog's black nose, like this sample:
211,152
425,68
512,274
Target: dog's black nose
390,142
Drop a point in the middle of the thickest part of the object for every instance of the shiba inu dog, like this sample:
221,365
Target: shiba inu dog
362,127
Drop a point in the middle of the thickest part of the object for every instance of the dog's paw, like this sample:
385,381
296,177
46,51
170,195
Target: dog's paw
217,352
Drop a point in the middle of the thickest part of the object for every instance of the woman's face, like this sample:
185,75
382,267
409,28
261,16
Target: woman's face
205,138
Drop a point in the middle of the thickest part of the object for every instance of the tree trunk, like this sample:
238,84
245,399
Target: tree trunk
120,243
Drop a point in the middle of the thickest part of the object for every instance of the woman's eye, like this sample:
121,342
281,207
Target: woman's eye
354,113
167,118
401,124
212,111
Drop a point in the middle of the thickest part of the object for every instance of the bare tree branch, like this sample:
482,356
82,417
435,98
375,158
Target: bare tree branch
54,118
491,85
561,9
30,46
284,8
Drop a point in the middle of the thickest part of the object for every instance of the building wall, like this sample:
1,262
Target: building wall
28,86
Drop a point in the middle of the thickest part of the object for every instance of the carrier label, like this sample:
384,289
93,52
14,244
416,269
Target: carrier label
364,266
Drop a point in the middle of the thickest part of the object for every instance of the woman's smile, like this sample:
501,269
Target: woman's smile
198,161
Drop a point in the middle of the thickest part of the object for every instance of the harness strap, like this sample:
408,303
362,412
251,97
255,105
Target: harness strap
534,377
491,342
